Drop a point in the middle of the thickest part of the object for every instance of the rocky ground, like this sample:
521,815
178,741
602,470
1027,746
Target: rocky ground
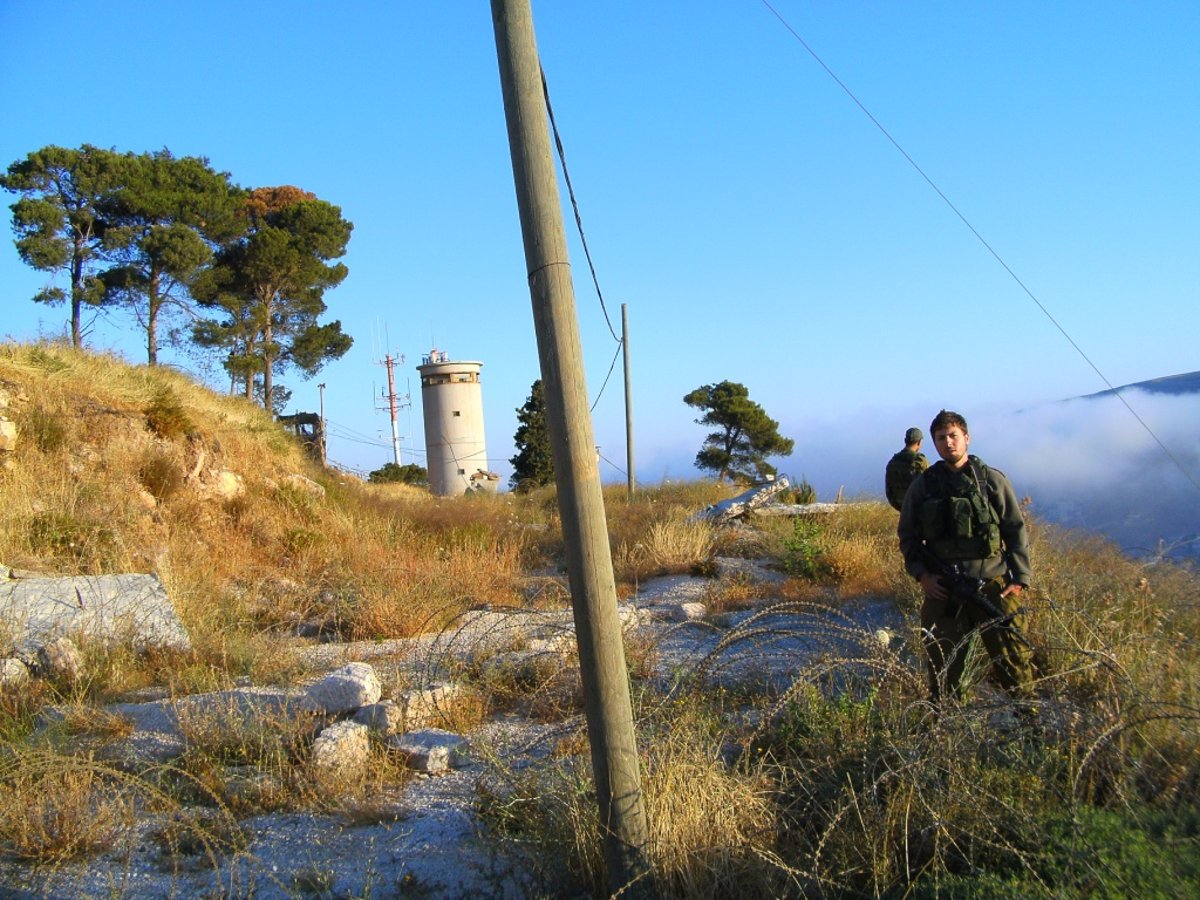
428,841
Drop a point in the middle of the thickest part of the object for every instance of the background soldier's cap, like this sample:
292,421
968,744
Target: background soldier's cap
913,436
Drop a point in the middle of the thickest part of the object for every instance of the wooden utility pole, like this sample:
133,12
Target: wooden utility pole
628,401
581,505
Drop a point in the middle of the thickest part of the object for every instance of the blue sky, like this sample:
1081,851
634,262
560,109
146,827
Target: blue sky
758,225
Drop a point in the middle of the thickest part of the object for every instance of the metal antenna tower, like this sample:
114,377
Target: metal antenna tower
394,402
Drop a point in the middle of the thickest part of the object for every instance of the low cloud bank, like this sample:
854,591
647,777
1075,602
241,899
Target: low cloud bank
1084,463
1091,464
1087,464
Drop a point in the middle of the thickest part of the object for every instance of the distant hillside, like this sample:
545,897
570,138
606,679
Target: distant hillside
1120,483
1175,385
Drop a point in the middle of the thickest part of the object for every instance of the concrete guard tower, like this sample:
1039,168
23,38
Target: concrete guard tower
452,407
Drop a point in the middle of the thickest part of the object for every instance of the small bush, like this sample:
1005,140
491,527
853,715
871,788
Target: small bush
56,815
803,557
45,428
73,543
166,416
161,474
239,734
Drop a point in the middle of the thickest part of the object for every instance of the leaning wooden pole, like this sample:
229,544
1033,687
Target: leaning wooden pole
581,504
630,479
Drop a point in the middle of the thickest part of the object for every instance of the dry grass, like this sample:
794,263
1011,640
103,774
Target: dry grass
712,827
849,785
671,546
56,807
62,814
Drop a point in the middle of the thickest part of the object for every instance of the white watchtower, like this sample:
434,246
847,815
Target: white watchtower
452,406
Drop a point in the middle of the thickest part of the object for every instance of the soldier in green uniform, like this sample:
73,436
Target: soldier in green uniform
903,467
961,521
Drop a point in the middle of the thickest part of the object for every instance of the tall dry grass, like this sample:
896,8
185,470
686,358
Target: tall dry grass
835,780
850,784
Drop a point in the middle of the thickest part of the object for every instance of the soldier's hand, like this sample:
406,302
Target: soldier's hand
1013,589
933,587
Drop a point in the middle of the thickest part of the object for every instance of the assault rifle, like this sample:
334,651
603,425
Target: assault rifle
964,589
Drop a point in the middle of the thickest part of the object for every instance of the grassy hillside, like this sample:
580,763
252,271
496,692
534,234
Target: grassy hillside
122,468
842,783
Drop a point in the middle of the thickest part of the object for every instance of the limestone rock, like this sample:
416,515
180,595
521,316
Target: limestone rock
60,659
743,504
102,607
227,485
425,706
343,690
689,612
342,749
13,672
384,718
307,485
8,434
432,750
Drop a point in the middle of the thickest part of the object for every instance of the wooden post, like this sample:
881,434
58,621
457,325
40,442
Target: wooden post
628,401
604,675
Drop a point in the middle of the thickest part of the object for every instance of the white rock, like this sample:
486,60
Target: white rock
61,659
431,750
101,607
8,434
385,717
343,690
13,672
342,749
425,706
689,612
228,485
307,485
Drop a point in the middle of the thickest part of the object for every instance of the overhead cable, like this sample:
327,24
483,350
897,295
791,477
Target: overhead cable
995,255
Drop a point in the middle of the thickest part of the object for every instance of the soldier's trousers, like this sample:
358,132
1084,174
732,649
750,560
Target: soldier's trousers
948,626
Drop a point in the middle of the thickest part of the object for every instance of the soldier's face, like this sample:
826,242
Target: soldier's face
952,445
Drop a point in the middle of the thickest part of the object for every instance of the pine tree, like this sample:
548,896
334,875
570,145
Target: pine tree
533,466
745,434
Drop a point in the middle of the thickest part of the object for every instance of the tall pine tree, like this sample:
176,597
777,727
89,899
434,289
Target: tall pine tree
743,436
267,289
59,223
533,466
165,222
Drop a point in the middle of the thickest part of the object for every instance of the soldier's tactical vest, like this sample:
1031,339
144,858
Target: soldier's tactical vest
957,519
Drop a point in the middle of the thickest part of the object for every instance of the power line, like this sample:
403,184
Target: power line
612,365
995,255
562,158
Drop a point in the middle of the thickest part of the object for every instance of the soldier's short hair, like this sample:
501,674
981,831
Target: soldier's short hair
947,419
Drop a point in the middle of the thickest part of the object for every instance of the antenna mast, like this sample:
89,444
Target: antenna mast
394,402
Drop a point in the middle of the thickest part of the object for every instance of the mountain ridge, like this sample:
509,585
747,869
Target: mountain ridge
1174,385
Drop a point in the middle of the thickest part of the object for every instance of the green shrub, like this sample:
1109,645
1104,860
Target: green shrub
1095,853
802,550
72,541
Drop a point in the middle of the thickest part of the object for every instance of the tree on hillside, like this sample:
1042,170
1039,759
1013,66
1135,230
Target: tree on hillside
744,437
409,473
165,222
58,223
533,466
267,289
